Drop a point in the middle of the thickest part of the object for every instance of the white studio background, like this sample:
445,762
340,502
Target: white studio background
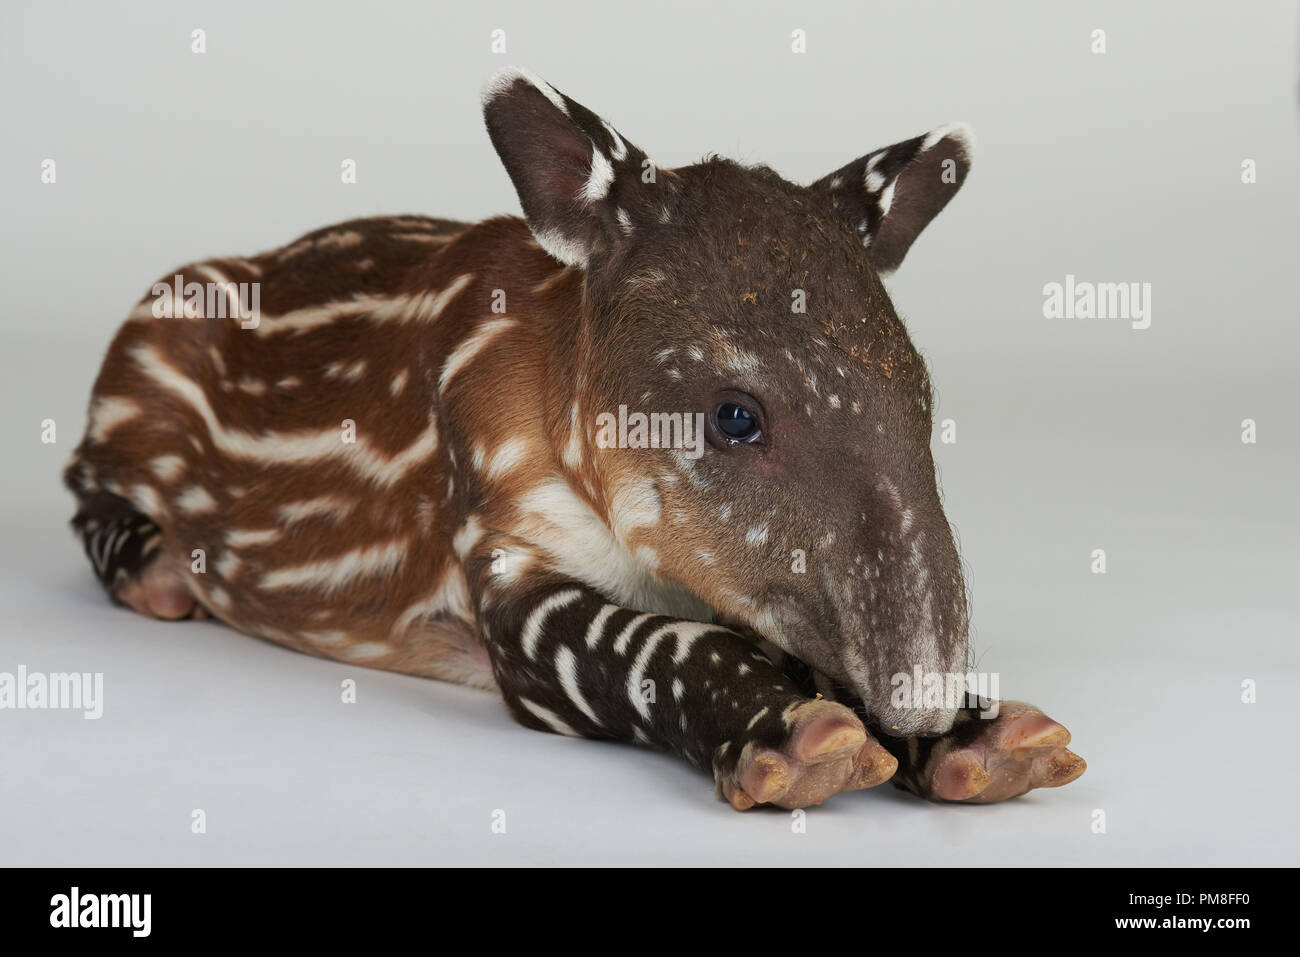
1073,435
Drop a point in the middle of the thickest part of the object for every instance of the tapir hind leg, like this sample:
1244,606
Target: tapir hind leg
125,550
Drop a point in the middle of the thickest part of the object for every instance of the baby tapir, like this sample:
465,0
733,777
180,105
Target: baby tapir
652,462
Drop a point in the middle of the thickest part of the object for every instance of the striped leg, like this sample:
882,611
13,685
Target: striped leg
567,661
124,547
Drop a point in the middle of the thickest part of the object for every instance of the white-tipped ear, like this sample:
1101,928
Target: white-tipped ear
576,176
891,194
503,80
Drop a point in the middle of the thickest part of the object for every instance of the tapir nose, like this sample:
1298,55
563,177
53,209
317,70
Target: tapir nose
905,605
911,722
916,682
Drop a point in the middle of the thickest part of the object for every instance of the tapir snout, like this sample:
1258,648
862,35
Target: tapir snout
902,609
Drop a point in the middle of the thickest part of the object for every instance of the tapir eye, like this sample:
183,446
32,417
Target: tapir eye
737,423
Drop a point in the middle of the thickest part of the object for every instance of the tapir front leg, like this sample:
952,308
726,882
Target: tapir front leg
567,661
987,756
990,754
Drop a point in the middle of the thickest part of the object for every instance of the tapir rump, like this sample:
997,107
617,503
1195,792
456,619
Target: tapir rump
395,463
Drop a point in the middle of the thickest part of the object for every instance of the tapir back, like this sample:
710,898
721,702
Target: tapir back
284,420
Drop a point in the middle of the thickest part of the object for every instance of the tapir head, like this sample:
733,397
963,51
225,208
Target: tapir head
806,508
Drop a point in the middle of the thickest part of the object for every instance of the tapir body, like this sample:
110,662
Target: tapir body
652,462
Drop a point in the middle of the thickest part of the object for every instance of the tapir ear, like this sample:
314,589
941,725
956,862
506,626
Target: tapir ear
892,194
578,180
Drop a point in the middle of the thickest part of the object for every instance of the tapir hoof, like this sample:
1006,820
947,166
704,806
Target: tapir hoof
160,591
1004,757
826,751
